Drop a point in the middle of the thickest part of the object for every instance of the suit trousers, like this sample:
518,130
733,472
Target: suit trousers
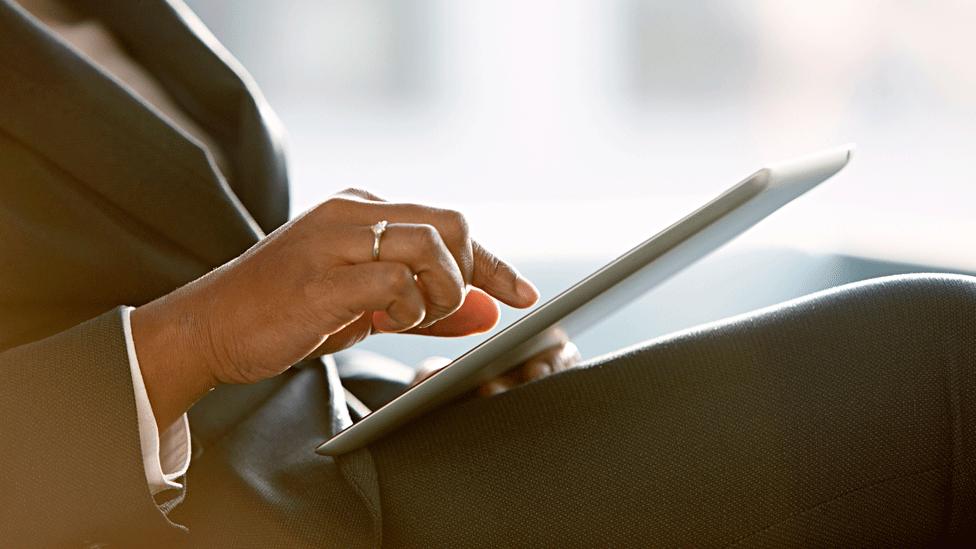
846,418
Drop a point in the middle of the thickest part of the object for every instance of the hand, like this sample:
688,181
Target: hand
312,287
553,360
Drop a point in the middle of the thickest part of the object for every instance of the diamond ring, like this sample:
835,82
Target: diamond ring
378,230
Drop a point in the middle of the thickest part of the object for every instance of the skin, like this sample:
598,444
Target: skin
312,288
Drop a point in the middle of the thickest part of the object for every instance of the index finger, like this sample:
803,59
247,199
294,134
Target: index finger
501,280
478,266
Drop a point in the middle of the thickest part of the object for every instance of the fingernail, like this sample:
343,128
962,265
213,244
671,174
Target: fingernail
526,290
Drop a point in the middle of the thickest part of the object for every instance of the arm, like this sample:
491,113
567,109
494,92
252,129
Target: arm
69,442
312,287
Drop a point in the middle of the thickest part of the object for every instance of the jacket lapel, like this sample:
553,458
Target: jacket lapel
86,123
169,39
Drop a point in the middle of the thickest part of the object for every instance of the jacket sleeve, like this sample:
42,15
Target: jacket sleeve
70,450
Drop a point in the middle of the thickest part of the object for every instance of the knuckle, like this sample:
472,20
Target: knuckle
356,191
455,224
427,236
333,207
447,300
495,267
456,298
417,314
399,278
408,313
500,271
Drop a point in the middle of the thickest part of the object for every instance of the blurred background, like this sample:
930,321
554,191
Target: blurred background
570,130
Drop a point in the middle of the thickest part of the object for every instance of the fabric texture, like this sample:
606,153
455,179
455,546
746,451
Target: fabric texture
104,203
260,484
845,419
69,444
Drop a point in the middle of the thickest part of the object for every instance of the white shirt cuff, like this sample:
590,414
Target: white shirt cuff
166,455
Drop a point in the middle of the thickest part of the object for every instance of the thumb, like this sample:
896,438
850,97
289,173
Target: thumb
478,314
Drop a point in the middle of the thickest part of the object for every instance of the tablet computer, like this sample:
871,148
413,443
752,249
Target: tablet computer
615,285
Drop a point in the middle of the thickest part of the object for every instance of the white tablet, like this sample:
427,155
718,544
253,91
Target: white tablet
624,279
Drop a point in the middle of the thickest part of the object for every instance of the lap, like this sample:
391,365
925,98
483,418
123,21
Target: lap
834,419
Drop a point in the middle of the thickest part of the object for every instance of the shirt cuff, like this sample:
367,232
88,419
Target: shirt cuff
166,455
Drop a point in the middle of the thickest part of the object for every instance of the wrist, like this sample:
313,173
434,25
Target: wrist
171,345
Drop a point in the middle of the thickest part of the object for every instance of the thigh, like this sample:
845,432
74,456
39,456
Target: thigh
843,418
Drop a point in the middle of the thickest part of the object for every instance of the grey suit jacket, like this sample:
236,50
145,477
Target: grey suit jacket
103,204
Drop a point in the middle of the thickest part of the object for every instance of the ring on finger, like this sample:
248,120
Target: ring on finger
378,230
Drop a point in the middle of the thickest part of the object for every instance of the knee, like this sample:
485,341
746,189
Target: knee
945,301
927,290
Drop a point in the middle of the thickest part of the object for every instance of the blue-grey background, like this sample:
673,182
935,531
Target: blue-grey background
569,130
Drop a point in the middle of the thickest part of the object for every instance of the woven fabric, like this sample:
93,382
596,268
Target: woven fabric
842,419
69,444
260,483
